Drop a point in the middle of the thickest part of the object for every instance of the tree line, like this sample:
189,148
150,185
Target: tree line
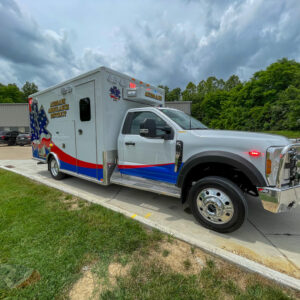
12,94
270,100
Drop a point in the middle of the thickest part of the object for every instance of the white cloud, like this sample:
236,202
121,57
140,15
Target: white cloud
155,42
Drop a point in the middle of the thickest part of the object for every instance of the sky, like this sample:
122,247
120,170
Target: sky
169,42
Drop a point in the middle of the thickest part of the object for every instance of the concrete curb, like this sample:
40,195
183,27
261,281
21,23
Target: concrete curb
242,262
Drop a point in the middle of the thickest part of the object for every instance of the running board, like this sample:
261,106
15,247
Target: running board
145,184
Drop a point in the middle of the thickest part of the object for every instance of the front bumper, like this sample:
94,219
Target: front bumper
279,200
286,194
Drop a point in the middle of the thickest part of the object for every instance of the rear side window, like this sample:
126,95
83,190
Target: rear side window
85,109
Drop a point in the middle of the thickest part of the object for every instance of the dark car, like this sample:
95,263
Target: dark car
8,137
23,139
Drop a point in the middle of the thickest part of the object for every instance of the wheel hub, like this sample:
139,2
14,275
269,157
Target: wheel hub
215,206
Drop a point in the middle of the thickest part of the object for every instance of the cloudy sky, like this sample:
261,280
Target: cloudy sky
159,41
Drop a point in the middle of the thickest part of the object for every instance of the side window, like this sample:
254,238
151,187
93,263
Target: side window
139,117
85,109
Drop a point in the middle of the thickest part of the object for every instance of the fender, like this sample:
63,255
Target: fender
228,158
55,156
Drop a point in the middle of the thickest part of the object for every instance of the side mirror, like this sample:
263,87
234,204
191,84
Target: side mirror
168,132
148,128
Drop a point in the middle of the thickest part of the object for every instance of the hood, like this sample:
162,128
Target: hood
271,139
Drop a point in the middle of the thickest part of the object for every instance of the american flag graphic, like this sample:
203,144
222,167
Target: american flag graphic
38,121
40,136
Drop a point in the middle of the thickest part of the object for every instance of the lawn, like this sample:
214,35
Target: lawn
69,241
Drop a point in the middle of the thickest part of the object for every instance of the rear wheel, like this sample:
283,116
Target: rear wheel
218,204
54,169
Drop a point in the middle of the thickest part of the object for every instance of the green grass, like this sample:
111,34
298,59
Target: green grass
153,281
39,230
286,133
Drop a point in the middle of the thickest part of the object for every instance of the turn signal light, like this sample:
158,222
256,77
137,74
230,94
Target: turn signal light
268,166
254,153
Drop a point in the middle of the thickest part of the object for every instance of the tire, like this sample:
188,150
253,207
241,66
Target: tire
54,169
218,204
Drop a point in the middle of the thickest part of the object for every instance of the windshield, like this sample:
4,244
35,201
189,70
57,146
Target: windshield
183,120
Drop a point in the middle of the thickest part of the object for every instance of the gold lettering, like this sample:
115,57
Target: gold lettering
58,108
151,95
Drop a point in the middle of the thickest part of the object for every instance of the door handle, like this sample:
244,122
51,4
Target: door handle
80,131
129,143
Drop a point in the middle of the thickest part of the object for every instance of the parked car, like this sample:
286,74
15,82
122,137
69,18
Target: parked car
8,137
23,139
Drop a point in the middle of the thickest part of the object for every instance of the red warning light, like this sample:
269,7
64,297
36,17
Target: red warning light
132,85
254,153
29,103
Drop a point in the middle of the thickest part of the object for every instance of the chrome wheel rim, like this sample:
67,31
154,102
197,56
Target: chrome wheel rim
54,167
215,206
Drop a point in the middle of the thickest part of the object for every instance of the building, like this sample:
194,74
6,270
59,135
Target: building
185,106
14,116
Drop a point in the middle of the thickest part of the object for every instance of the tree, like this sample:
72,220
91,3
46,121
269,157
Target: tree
10,94
29,88
190,93
232,82
174,95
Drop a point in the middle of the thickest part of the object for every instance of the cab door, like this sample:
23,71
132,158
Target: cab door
151,158
85,130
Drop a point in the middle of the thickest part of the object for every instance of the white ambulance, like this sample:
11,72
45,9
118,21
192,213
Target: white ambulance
108,127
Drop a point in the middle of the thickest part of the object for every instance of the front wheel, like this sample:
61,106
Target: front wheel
218,204
54,169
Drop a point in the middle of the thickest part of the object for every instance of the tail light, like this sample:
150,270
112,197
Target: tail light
3,137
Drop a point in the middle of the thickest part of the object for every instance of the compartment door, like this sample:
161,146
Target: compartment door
85,130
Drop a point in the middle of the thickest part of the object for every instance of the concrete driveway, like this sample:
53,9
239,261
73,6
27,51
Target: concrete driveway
272,240
15,152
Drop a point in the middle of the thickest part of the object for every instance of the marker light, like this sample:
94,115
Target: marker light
268,167
254,153
132,85
29,103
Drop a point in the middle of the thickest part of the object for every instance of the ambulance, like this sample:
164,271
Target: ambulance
110,128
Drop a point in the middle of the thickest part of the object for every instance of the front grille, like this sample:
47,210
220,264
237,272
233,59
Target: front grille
294,166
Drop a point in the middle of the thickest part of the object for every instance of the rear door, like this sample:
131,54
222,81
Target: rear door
85,129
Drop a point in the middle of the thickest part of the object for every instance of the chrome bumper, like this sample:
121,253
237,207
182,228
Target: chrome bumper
284,196
279,200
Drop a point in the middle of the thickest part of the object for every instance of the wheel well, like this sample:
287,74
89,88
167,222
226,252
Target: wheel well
218,169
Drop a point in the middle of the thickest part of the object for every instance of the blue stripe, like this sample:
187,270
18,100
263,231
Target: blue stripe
160,173
91,172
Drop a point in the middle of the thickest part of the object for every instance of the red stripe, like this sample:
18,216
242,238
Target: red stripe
142,166
73,161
